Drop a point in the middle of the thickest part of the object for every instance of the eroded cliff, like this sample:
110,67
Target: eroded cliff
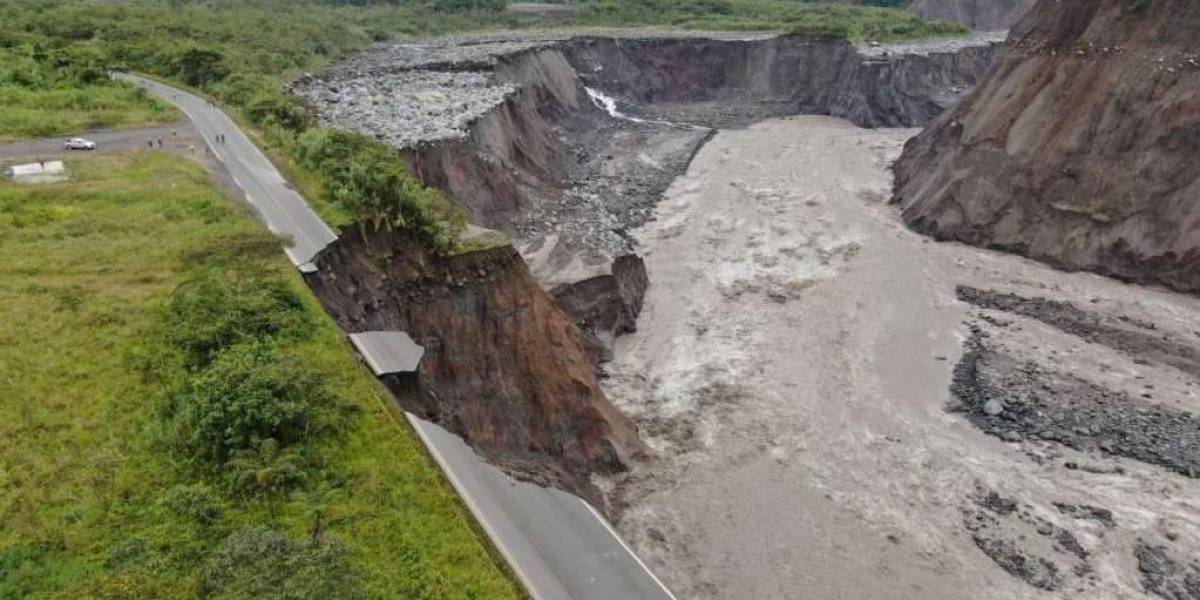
1078,148
504,366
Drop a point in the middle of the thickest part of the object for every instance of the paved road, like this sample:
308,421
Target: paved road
558,546
107,142
282,209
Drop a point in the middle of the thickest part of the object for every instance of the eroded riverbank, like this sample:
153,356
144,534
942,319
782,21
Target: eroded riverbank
792,368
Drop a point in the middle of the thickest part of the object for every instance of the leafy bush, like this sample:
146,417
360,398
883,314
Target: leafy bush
265,564
266,473
212,312
251,393
370,180
268,110
200,67
195,502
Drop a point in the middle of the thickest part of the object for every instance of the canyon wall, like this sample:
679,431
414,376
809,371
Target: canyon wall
1078,148
504,366
721,83
988,15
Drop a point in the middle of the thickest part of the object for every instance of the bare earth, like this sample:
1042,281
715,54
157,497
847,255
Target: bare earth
793,368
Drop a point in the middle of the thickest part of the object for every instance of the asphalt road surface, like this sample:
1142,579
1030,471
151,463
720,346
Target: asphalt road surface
559,547
282,209
176,137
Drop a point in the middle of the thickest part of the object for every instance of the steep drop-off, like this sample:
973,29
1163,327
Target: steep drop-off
558,166
549,160
1079,147
720,83
986,15
504,366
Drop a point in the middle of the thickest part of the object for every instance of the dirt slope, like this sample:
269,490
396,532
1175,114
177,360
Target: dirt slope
1079,146
504,366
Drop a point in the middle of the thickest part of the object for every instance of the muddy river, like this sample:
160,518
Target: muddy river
792,370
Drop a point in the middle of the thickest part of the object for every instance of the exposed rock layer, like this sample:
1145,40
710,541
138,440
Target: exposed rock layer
727,82
504,367
1079,146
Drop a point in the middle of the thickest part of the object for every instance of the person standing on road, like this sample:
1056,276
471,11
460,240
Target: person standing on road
160,143
150,143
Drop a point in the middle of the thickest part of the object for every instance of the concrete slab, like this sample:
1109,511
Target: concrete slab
388,352
49,171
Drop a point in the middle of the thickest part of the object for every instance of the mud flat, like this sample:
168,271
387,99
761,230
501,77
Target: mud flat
842,408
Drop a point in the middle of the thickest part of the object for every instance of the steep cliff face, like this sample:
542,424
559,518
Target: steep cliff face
1079,147
607,305
734,82
987,15
518,150
504,367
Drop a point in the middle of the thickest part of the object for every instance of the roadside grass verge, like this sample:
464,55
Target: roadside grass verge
95,499
33,113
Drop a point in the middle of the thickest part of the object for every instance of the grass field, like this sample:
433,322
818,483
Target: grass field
33,113
85,479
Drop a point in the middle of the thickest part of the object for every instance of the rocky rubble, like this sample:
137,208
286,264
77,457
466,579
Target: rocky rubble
1016,400
1141,340
1166,576
1027,546
405,107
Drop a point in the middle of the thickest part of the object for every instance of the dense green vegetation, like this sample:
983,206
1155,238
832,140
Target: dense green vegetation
53,56
852,22
179,419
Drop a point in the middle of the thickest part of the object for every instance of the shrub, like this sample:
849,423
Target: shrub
212,312
284,111
250,393
372,182
196,502
266,473
261,563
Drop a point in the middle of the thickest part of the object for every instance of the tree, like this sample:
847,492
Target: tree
200,67
250,394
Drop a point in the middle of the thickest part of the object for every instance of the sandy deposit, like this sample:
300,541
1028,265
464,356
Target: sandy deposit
792,368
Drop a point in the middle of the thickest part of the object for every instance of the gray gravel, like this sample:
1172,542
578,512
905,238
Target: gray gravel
403,108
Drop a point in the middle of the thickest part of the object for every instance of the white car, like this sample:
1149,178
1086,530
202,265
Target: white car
80,144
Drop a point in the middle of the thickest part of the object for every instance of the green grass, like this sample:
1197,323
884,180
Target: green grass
856,23
32,113
57,50
88,264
